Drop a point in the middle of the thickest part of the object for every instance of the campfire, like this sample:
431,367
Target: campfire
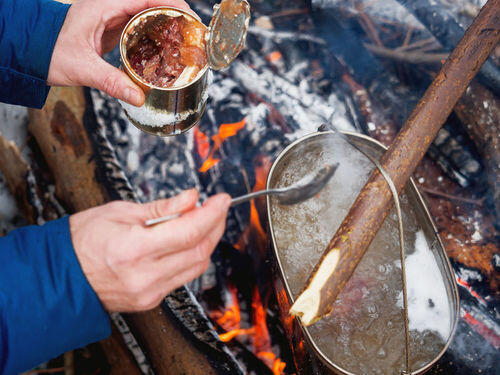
357,66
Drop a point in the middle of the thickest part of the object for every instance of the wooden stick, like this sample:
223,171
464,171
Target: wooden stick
368,212
412,57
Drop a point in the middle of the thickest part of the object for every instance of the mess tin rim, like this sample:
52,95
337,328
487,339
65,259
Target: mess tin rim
124,39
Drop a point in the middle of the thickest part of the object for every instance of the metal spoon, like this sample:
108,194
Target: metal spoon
302,190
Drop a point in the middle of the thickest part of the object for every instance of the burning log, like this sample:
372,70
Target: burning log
412,57
358,229
71,140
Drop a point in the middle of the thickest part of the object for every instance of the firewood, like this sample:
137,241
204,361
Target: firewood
448,31
479,110
368,212
16,171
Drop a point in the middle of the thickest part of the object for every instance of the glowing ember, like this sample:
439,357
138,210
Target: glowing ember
483,330
202,144
274,56
466,285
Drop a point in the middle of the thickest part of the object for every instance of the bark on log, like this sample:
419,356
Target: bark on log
15,169
368,212
60,132
479,110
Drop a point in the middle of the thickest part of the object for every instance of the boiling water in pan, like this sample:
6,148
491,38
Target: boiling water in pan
365,332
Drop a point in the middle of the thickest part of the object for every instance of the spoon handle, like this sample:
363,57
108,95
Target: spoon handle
234,202
255,194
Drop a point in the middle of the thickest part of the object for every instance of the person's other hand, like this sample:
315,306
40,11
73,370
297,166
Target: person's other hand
91,28
133,267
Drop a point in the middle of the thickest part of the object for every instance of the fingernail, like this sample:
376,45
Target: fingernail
126,94
225,202
188,193
132,96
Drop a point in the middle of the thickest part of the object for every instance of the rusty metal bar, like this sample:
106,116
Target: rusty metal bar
374,201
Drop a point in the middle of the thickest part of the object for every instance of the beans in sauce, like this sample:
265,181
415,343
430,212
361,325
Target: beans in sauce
162,46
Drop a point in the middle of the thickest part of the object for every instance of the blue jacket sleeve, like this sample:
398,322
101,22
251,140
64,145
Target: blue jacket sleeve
28,33
47,306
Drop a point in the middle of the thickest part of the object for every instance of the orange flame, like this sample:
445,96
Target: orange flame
202,144
278,366
231,318
256,236
228,130
255,231
262,340
228,336
209,163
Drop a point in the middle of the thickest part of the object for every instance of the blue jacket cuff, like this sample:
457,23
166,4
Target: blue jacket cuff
47,306
28,33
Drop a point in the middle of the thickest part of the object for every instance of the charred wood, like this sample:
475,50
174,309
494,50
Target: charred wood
479,111
386,90
411,57
449,32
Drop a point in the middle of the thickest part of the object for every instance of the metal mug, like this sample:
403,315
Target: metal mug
174,110
166,111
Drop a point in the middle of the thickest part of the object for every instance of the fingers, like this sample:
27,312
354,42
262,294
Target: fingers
151,281
114,82
182,202
190,229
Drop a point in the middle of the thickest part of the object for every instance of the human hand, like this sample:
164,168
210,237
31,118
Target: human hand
91,28
132,267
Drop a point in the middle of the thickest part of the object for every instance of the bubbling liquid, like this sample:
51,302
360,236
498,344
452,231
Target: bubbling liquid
167,50
365,332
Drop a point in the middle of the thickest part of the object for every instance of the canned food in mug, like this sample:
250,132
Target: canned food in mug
168,53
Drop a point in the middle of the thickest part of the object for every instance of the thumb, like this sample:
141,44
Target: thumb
185,201
116,83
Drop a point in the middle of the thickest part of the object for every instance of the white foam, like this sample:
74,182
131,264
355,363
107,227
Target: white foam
428,304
